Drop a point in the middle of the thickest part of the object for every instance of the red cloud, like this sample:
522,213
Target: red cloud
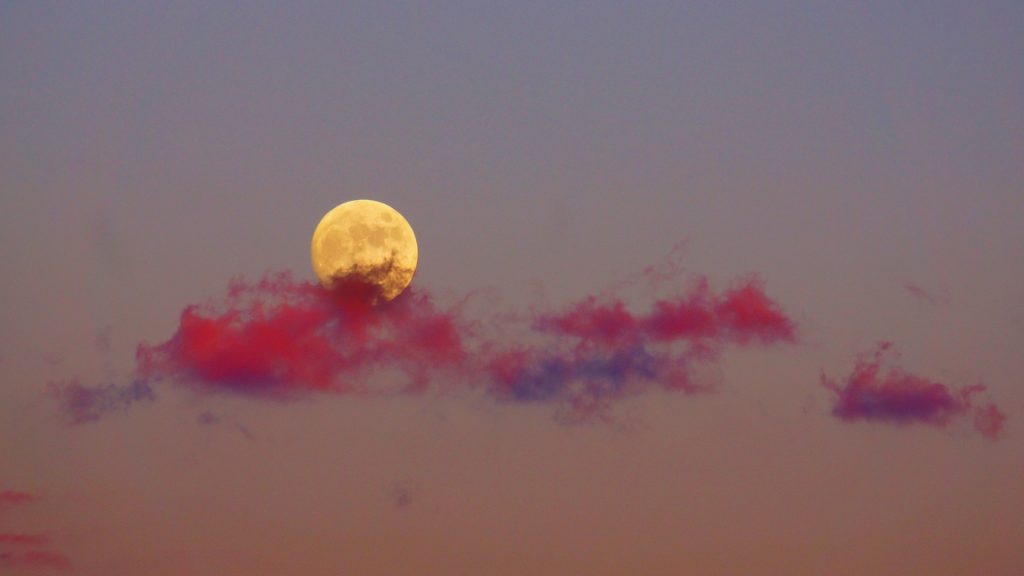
739,315
24,539
34,559
923,295
898,397
13,498
279,337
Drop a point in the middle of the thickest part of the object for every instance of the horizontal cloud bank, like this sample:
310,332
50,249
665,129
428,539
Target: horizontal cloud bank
596,352
899,397
24,539
279,338
34,559
24,550
13,498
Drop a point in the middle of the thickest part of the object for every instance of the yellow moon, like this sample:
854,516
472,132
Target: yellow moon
369,239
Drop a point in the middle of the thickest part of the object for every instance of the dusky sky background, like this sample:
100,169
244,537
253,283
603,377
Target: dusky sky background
864,160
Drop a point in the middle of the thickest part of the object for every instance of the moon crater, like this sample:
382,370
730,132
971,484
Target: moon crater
366,240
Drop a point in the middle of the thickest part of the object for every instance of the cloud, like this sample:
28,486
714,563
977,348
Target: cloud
210,419
279,338
23,550
13,498
989,421
923,295
598,352
901,398
402,494
24,539
80,403
34,559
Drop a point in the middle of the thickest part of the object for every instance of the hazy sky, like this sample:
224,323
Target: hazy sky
858,165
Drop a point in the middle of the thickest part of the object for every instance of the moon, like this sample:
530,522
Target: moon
368,239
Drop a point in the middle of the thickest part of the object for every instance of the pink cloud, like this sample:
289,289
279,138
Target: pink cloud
42,559
12,497
83,403
898,397
278,337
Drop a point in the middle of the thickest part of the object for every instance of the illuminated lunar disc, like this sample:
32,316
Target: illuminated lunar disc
369,239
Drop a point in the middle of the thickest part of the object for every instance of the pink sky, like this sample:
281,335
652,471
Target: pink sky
702,290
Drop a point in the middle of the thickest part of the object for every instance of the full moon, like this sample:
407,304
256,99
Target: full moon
369,239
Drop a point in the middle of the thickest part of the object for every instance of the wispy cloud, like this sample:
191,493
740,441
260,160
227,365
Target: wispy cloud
13,498
27,550
926,296
25,539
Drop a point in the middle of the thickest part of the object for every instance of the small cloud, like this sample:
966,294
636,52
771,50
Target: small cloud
81,404
34,559
403,494
278,338
13,498
211,419
24,539
24,550
926,296
894,396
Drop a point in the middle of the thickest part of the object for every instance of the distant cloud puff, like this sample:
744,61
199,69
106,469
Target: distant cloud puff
895,396
24,539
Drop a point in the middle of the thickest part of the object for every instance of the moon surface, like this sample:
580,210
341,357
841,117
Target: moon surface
367,239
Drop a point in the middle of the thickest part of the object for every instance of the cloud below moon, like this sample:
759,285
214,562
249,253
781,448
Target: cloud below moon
279,338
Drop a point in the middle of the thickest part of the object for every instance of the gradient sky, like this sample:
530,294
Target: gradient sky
864,159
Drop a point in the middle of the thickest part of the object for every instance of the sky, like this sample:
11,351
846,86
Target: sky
703,288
